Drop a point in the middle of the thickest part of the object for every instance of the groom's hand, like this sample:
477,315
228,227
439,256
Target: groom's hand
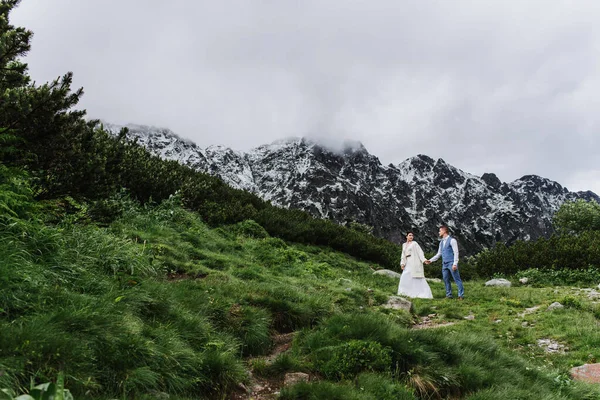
454,267
427,262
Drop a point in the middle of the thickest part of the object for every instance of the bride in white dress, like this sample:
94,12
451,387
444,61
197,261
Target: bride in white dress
413,282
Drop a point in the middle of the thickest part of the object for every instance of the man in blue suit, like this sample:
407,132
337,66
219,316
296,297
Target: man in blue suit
448,250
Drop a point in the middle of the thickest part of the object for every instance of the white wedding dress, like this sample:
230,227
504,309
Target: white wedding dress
412,258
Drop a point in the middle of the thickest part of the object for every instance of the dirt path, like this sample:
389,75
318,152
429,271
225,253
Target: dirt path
428,323
266,388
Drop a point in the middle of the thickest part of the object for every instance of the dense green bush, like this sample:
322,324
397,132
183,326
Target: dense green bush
570,252
250,228
570,256
577,216
348,359
562,276
16,195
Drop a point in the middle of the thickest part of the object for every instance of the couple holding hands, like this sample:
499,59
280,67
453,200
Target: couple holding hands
413,282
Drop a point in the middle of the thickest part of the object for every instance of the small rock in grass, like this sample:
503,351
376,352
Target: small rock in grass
398,303
295,377
555,306
387,272
498,283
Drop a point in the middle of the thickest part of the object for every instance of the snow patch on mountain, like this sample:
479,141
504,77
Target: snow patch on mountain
342,181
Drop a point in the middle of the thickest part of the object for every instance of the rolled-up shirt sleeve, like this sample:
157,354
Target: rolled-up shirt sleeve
437,256
454,245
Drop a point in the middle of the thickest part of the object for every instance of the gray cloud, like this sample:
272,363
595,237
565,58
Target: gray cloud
496,86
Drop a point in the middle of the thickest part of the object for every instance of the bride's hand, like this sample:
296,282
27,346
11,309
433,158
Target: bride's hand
402,267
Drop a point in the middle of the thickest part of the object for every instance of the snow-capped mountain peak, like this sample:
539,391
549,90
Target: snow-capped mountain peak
343,181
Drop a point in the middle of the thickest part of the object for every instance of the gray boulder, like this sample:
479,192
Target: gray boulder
398,303
498,283
555,306
388,272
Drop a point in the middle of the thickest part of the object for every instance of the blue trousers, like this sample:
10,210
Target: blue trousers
446,272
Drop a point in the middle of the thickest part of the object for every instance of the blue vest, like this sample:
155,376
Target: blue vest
447,252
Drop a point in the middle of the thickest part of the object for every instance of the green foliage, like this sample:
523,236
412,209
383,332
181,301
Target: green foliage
577,216
156,301
142,306
320,390
298,226
433,363
44,391
562,276
250,228
16,195
357,226
350,358
368,386
572,256
78,305
8,144
556,253
382,387
571,302
284,362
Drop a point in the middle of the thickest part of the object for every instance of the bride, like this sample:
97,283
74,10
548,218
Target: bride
412,281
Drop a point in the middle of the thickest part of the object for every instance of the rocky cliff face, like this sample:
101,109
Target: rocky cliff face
350,184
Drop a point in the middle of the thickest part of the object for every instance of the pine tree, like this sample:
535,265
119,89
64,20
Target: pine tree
39,129
14,42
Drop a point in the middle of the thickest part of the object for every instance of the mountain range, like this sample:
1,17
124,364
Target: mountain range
350,184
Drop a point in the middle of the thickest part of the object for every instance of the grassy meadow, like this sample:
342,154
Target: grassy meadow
157,304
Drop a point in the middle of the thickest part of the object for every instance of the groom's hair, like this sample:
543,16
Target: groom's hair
444,227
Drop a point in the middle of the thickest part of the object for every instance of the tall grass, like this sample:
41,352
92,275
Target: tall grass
430,362
157,302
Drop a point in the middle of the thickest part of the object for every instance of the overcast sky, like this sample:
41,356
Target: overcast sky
507,86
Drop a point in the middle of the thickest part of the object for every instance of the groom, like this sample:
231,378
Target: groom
448,250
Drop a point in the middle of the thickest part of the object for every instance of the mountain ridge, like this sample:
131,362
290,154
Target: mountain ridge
350,184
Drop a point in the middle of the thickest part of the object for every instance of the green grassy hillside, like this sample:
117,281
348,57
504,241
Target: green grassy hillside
158,303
